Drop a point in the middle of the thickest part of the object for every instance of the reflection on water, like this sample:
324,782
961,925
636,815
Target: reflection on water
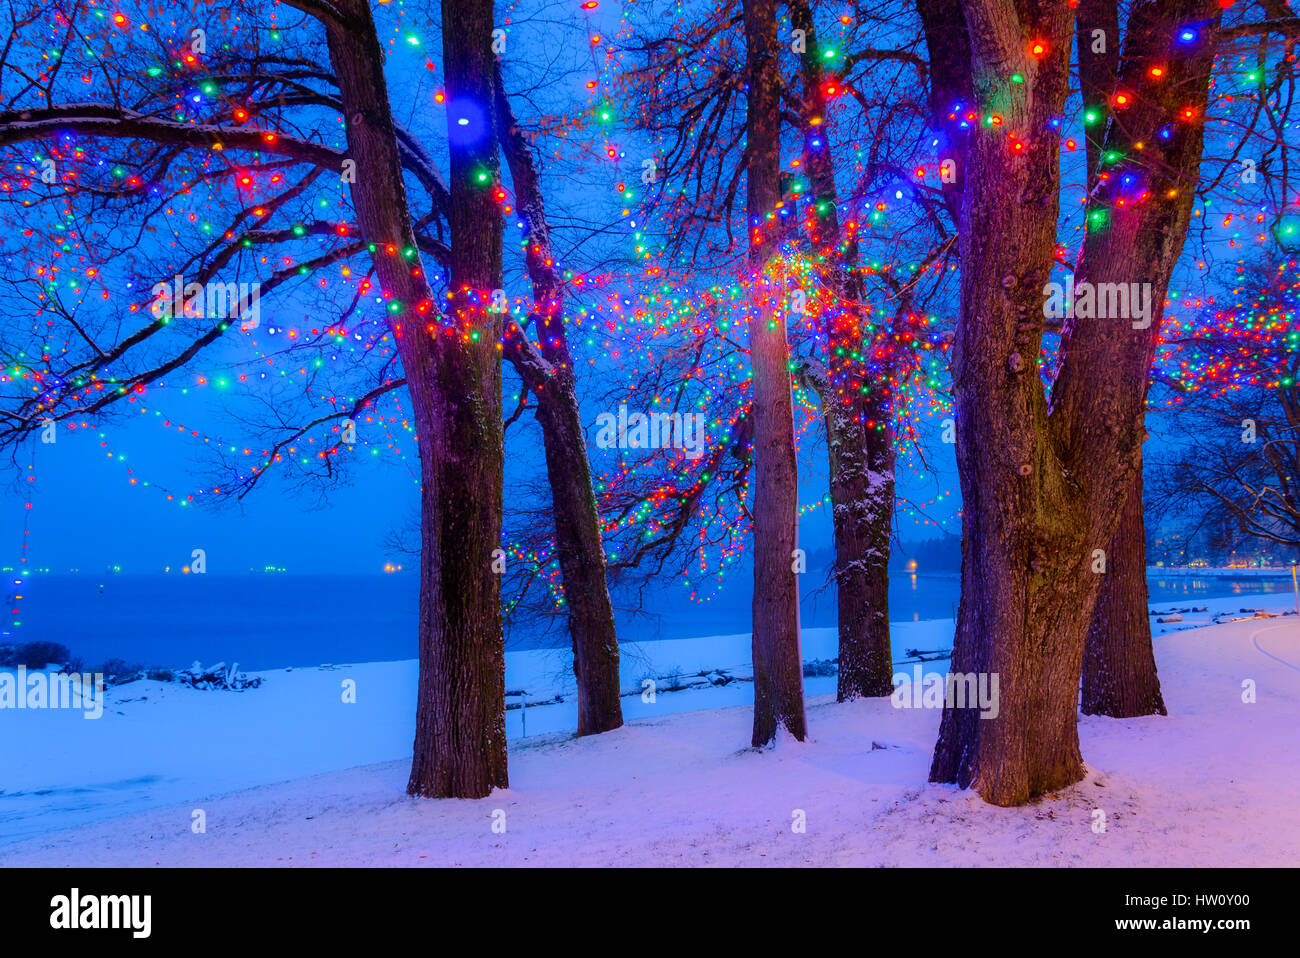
1168,588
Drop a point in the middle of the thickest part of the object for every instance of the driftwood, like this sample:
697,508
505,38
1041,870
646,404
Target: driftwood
680,682
927,655
524,700
216,677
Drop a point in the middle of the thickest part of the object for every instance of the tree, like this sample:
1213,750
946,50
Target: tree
858,440
778,667
1119,661
547,371
241,131
863,353
460,736
1231,414
1043,482
167,137
1119,668
858,333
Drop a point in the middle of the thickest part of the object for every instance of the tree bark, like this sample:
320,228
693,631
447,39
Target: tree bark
582,563
862,557
1097,71
1119,666
1119,663
948,51
454,379
1042,487
577,521
1017,515
778,666
858,417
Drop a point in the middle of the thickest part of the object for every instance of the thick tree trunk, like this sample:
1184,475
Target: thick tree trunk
1021,526
455,388
1119,663
1041,492
861,455
778,666
553,381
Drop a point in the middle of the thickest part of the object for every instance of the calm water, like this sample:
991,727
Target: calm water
270,621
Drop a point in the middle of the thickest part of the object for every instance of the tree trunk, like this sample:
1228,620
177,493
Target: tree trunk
1042,488
778,666
1020,525
861,455
1097,71
862,498
553,381
582,562
1119,664
863,510
948,54
455,387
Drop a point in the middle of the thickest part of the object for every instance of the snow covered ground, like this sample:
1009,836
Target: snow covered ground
289,774
159,743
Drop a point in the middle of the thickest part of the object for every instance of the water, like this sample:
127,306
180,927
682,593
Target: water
919,597
1191,589
260,621
272,621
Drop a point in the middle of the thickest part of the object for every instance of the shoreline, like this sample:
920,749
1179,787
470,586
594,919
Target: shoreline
1209,784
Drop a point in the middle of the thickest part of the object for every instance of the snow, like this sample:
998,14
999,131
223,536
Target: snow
289,774
1197,613
159,743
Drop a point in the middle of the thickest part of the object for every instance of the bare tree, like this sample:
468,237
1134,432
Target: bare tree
855,352
547,371
1231,420
254,125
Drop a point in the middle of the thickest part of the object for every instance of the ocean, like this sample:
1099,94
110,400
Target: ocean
275,620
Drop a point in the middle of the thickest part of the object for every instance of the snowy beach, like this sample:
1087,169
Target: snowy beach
290,774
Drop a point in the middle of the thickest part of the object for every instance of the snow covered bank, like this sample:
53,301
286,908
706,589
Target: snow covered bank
1215,783
159,743
1191,613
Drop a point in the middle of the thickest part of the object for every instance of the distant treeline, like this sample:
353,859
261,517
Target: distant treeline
1215,540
